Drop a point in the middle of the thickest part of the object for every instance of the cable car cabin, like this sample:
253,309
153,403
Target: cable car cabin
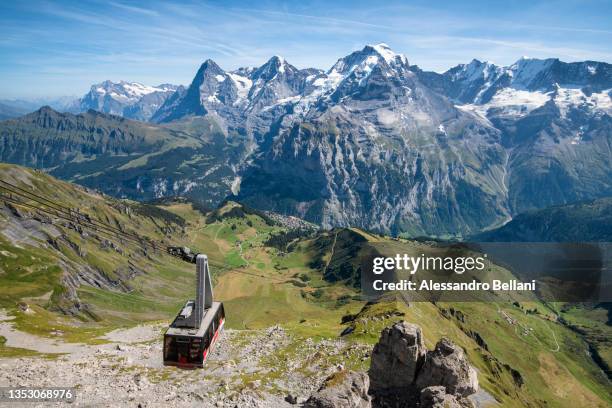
193,333
188,347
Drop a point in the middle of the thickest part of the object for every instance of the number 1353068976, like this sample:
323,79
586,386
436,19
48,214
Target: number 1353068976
33,394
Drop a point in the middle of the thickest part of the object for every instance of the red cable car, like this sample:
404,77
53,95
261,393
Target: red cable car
195,330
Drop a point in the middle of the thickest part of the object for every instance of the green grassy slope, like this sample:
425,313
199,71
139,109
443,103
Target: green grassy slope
524,356
60,269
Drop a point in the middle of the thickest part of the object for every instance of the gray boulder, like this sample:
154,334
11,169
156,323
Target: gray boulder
344,389
448,366
397,356
436,397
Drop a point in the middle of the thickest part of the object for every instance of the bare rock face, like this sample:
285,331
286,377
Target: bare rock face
403,373
447,366
397,357
436,397
344,389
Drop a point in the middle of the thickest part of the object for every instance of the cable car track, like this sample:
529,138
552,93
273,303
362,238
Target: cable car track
58,207
95,228
57,210
70,215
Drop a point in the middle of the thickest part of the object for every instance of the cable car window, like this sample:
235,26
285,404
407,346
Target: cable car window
170,349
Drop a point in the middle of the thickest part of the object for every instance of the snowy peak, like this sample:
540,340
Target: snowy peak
388,54
350,76
378,74
526,72
209,64
367,58
530,84
528,79
273,67
534,74
277,84
210,86
475,70
130,99
209,70
127,91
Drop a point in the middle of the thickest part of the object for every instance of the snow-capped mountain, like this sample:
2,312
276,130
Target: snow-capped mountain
378,143
370,145
129,99
354,70
525,85
235,93
278,83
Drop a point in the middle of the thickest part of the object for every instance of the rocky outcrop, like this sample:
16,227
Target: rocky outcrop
344,389
397,357
403,373
436,397
447,366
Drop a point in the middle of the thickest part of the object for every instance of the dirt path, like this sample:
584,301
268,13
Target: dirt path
19,339
331,256
240,252
558,347
528,331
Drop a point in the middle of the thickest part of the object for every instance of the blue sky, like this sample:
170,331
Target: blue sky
54,48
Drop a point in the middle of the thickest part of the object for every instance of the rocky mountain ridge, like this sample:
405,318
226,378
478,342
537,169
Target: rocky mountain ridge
131,100
333,146
121,157
377,143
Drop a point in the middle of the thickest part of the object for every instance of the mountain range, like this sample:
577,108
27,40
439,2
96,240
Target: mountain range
131,100
372,142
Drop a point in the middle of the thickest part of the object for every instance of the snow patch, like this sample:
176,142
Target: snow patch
213,98
512,101
281,63
566,98
387,53
189,186
242,83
